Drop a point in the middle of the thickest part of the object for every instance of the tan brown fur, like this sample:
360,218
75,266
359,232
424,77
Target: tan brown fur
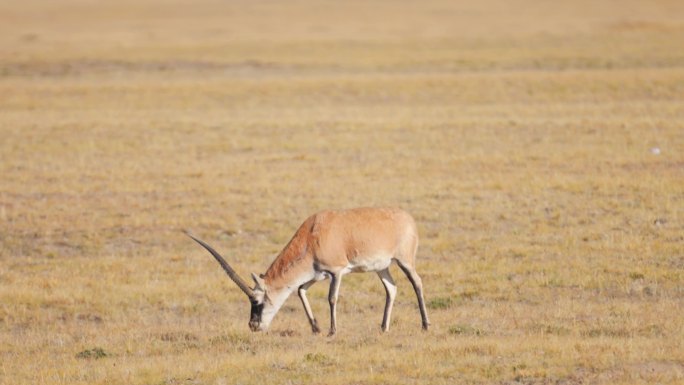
353,236
335,238
332,243
292,258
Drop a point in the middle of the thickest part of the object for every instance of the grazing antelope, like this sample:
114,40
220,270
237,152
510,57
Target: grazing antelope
330,244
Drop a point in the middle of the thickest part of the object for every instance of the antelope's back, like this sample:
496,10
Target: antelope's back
361,235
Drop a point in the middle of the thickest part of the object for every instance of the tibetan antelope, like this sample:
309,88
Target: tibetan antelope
330,244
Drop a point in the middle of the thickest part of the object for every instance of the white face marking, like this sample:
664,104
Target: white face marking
272,303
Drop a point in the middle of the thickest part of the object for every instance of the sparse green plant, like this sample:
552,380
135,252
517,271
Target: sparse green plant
440,303
317,358
636,275
94,353
466,330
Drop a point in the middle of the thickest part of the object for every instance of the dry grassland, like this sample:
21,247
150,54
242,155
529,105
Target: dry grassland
522,136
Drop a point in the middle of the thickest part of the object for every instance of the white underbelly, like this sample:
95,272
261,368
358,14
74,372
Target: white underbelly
375,263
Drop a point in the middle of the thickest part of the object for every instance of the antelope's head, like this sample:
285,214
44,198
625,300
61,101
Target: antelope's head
263,308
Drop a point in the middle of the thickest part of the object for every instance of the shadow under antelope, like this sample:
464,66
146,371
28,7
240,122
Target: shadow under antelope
330,244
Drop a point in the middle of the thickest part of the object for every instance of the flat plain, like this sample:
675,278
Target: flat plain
539,145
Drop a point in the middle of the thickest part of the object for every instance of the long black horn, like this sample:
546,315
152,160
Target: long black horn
229,270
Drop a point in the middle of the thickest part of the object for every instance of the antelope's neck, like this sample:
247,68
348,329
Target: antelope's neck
294,265
290,279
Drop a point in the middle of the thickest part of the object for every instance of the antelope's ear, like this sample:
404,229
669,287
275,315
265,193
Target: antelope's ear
259,280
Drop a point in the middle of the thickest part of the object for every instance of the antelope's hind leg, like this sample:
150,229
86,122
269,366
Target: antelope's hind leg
417,283
391,293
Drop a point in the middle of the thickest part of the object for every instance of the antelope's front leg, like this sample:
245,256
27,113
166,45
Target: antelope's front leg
307,308
336,279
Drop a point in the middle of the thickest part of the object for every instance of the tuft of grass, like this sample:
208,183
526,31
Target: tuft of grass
440,303
610,332
550,329
443,303
94,353
233,342
652,331
176,337
466,330
318,359
636,275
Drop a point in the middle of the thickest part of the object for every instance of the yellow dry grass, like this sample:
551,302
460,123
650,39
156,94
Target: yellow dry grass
539,145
